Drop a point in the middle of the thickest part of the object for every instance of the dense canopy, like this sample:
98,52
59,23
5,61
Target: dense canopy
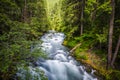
95,24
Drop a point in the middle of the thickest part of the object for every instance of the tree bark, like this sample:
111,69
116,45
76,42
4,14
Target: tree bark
110,34
25,11
82,16
116,51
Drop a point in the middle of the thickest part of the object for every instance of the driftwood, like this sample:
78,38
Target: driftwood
73,49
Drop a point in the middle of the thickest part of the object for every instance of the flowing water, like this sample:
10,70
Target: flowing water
59,66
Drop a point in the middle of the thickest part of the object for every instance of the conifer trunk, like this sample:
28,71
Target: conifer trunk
109,57
82,16
116,51
25,11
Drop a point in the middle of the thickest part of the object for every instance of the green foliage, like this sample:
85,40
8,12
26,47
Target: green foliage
79,55
101,38
112,75
54,15
96,17
21,23
115,75
16,34
38,17
14,48
84,57
70,17
87,40
30,73
37,53
71,43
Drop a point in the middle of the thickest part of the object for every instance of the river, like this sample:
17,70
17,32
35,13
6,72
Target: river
60,65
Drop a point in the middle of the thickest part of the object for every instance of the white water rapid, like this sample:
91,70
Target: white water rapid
60,66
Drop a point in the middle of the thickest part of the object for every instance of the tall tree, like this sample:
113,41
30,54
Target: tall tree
71,17
112,3
16,35
82,16
25,11
116,51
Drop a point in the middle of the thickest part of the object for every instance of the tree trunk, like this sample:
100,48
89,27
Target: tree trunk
82,16
25,12
116,51
110,34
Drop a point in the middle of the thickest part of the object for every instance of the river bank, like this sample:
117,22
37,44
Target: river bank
92,60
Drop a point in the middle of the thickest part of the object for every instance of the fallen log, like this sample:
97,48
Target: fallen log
73,49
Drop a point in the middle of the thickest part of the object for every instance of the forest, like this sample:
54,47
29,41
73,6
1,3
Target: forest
92,29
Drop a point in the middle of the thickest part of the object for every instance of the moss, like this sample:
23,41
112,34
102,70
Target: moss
83,57
80,55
